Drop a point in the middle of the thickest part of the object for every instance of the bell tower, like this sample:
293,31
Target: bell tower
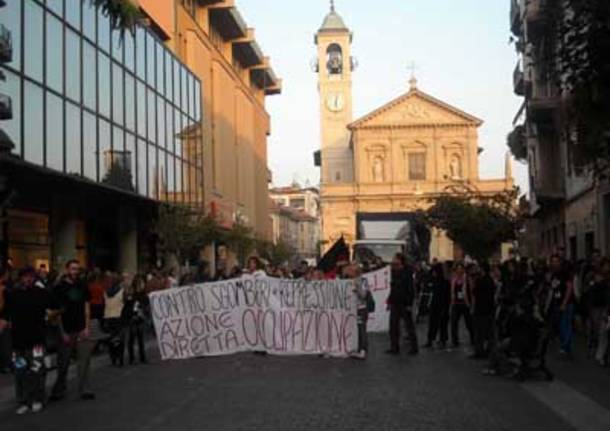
334,66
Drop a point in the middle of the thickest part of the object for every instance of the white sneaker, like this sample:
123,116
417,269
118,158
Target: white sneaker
37,407
22,409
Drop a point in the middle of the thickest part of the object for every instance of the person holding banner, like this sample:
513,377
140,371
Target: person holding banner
365,303
400,302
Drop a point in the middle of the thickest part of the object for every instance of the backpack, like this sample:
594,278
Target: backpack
370,302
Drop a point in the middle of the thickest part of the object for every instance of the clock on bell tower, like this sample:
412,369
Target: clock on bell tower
334,66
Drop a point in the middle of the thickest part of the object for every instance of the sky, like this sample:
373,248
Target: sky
460,48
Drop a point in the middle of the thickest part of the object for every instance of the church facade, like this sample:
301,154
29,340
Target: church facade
394,160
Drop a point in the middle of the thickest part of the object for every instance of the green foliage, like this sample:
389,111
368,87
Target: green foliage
123,14
120,177
583,72
183,231
276,254
478,223
241,240
516,141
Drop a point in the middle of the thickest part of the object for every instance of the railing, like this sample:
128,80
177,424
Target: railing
516,24
6,107
519,80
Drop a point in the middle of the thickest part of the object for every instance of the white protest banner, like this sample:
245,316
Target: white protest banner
279,316
378,282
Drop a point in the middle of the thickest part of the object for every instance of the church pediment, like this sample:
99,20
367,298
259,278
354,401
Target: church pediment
415,109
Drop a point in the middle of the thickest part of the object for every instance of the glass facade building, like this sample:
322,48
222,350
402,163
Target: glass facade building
116,109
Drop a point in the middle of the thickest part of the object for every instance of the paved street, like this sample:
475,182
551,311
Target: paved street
434,391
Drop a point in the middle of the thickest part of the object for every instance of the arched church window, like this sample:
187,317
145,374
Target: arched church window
334,59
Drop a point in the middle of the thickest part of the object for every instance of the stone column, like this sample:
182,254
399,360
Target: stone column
128,239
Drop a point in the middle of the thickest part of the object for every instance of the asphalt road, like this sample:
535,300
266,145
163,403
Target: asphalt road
436,390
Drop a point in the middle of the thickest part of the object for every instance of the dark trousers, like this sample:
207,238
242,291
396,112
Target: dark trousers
84,350
5,349
30,374
438,321
363,341
398,313
136,333
483,326
457,312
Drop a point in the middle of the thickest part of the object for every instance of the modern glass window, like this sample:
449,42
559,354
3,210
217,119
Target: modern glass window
73,138
142,167
90,146
12,88
90,103
54,132
150,59
105,149
129,46
117,94
417,166
89,21
130,103
141,53
11,19
72,13
103,32
32,113
153,173
161,136
117,46
89,76
54,53
56,6
33,40
103,91
73,64
152,116
141,110
130,156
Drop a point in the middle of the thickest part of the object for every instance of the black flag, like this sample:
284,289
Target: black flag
339,251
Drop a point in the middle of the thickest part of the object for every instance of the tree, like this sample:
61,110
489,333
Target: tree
583,73
119,176
478,223
241,240
123,14
516,141
278,253
183,231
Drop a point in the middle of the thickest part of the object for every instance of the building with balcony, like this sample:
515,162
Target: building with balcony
103,129
214,40
567,210
295,214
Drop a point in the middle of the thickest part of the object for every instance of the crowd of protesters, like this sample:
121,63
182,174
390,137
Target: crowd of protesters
511,312
514,311
70,315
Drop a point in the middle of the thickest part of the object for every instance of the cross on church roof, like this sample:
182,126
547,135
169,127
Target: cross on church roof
413,80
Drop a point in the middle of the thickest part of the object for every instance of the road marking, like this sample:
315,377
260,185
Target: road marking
578,410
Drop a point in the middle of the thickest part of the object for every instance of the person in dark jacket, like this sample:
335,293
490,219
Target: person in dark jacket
439,307
400,302
26,307
483,297
460,303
